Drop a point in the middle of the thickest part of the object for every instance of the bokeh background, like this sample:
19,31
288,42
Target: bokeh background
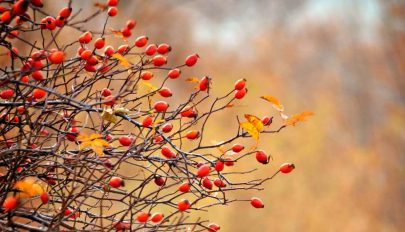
342,59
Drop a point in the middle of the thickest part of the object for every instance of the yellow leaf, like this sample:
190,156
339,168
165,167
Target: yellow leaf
109,116
150,86
94,141
274,101
122,60
28,187
251,129
193,80
118,34
257,123
298,118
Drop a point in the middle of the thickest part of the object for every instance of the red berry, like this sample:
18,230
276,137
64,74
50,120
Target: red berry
7,94
106,92
287,167
141,41
44,197
116,182
239,94
38,93
157,217
163,48
21,109
110,100
65,12
183,205
92,61
219,183
44,132
60,21
142,216
240,84
207,183
165,92
122,49
146,75
228,161
130,24
194,134
112,11
219,166
147,121
204,83
184,187
37,3
160,181
158,139
57,57
25,79
10,203
5,17
159,60
112,2
109,51
151,49
192,60
37,75
174,73
267,120
262,157
125,140
72,135
122,226
50,22
13,53
167,152
99,43
204,170
20,7
86,37
237,148
161,106
166,128
256,202
188,112
213,227
126,32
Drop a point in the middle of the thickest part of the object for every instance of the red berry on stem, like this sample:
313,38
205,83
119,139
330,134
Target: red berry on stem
57,57
151,49
191,60
112,2
109,51
166,128
159,60
184,187
237,148
44,197
110,100
130,24
256,202
204,170
219,166
174,73
163,48
10,203
147,121
65,12
157,217
38,93
167,152
204,83
183,205
116,182
99,43
165,92
7,94
141,41
240,84
207,183
159,180
213,227
287,167
239,94
122,49
262,157
125,140
86,37
194,134
161,106
112,11
267,120
106,92
142,216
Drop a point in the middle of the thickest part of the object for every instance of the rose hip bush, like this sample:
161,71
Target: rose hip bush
88,143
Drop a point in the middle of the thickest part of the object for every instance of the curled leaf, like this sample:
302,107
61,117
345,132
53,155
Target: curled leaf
28,187
122,60
298,118
150,86
274,101
193,80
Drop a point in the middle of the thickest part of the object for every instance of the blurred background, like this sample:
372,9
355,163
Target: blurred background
342,59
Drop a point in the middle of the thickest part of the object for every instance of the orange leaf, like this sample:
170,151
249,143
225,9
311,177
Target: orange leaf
298,118
118,34
193,80
94,141
255,121
101,5
28,187
274,101
122,60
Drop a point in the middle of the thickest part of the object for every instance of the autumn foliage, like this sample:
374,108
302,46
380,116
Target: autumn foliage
89,143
